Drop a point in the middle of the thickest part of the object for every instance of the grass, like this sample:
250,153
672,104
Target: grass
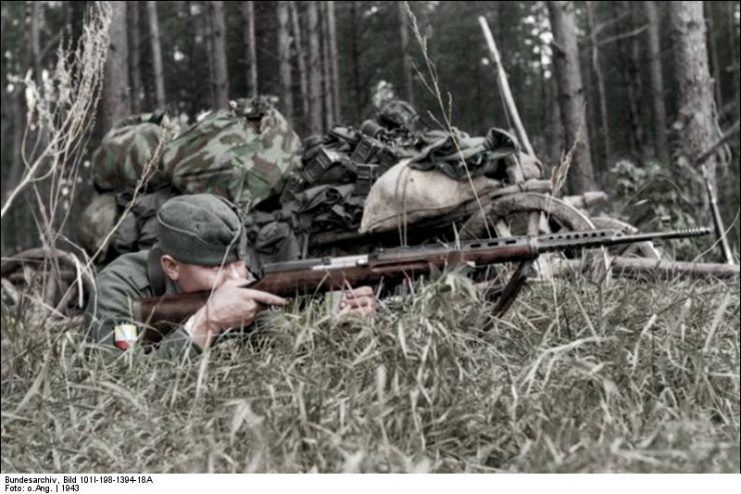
632,377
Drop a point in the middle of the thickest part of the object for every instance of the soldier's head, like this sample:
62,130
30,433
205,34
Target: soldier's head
202,241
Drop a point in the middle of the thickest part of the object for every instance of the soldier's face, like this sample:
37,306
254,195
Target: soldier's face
194,277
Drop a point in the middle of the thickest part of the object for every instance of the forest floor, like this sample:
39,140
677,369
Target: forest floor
631,377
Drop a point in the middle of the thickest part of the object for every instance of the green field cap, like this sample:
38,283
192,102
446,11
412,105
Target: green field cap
200,229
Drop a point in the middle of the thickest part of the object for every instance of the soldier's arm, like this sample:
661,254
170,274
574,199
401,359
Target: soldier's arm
111,319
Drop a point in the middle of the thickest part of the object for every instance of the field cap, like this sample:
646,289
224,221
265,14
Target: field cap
202,229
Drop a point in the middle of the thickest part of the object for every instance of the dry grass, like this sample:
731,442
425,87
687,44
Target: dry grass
645,380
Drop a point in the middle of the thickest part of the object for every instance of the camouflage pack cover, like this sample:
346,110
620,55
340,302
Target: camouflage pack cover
126,151
242,153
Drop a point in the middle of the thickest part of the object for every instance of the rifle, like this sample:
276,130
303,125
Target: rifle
162,314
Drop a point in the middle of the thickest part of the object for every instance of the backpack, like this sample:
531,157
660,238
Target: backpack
242,153
127,149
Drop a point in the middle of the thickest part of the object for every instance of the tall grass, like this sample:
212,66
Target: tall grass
632,377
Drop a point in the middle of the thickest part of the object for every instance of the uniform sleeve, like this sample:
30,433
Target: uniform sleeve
112,323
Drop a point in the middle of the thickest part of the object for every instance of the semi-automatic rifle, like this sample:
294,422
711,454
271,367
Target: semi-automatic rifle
312,276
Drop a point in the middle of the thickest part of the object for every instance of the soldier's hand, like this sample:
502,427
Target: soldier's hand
230,306
359,301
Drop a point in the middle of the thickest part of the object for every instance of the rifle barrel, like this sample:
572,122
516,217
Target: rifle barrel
606,238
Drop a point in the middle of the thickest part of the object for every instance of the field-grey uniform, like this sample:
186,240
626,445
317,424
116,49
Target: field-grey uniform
201,229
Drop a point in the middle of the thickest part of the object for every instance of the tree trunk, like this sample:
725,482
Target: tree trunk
5,115
301,58
135,75
154,39
355,62
554,131
406,62
334,60
695,120
284,57
599,83
734,55
116,103
327,90
630,75
218,35
315,70
657,81
571,95
636,80
250,47
206,27
34,47
713,59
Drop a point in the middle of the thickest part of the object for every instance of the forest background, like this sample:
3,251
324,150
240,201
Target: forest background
659,81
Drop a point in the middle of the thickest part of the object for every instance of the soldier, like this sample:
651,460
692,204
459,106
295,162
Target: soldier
199,248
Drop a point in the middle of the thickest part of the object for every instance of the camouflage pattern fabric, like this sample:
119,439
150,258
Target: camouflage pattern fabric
457,155
242,153
126,151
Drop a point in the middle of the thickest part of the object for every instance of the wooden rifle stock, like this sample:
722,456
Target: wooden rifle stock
161,315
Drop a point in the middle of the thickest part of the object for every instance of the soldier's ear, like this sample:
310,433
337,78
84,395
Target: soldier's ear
170,267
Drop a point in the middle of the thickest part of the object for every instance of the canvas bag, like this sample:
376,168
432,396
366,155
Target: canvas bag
403,196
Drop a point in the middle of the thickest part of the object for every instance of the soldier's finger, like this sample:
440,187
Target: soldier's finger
264,297
361,291
361,302
362,311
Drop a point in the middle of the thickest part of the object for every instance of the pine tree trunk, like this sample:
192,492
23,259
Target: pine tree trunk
406,62
657,81
334,60
355,62
284,57
154,39
571,95
218,35
315,70
636,80
135,75
629,74
250,47
5,118
116,103
34,47
734,54
599,83
713,60
327,91
554,130
5,115
301,57
206,30
695,119
194,24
